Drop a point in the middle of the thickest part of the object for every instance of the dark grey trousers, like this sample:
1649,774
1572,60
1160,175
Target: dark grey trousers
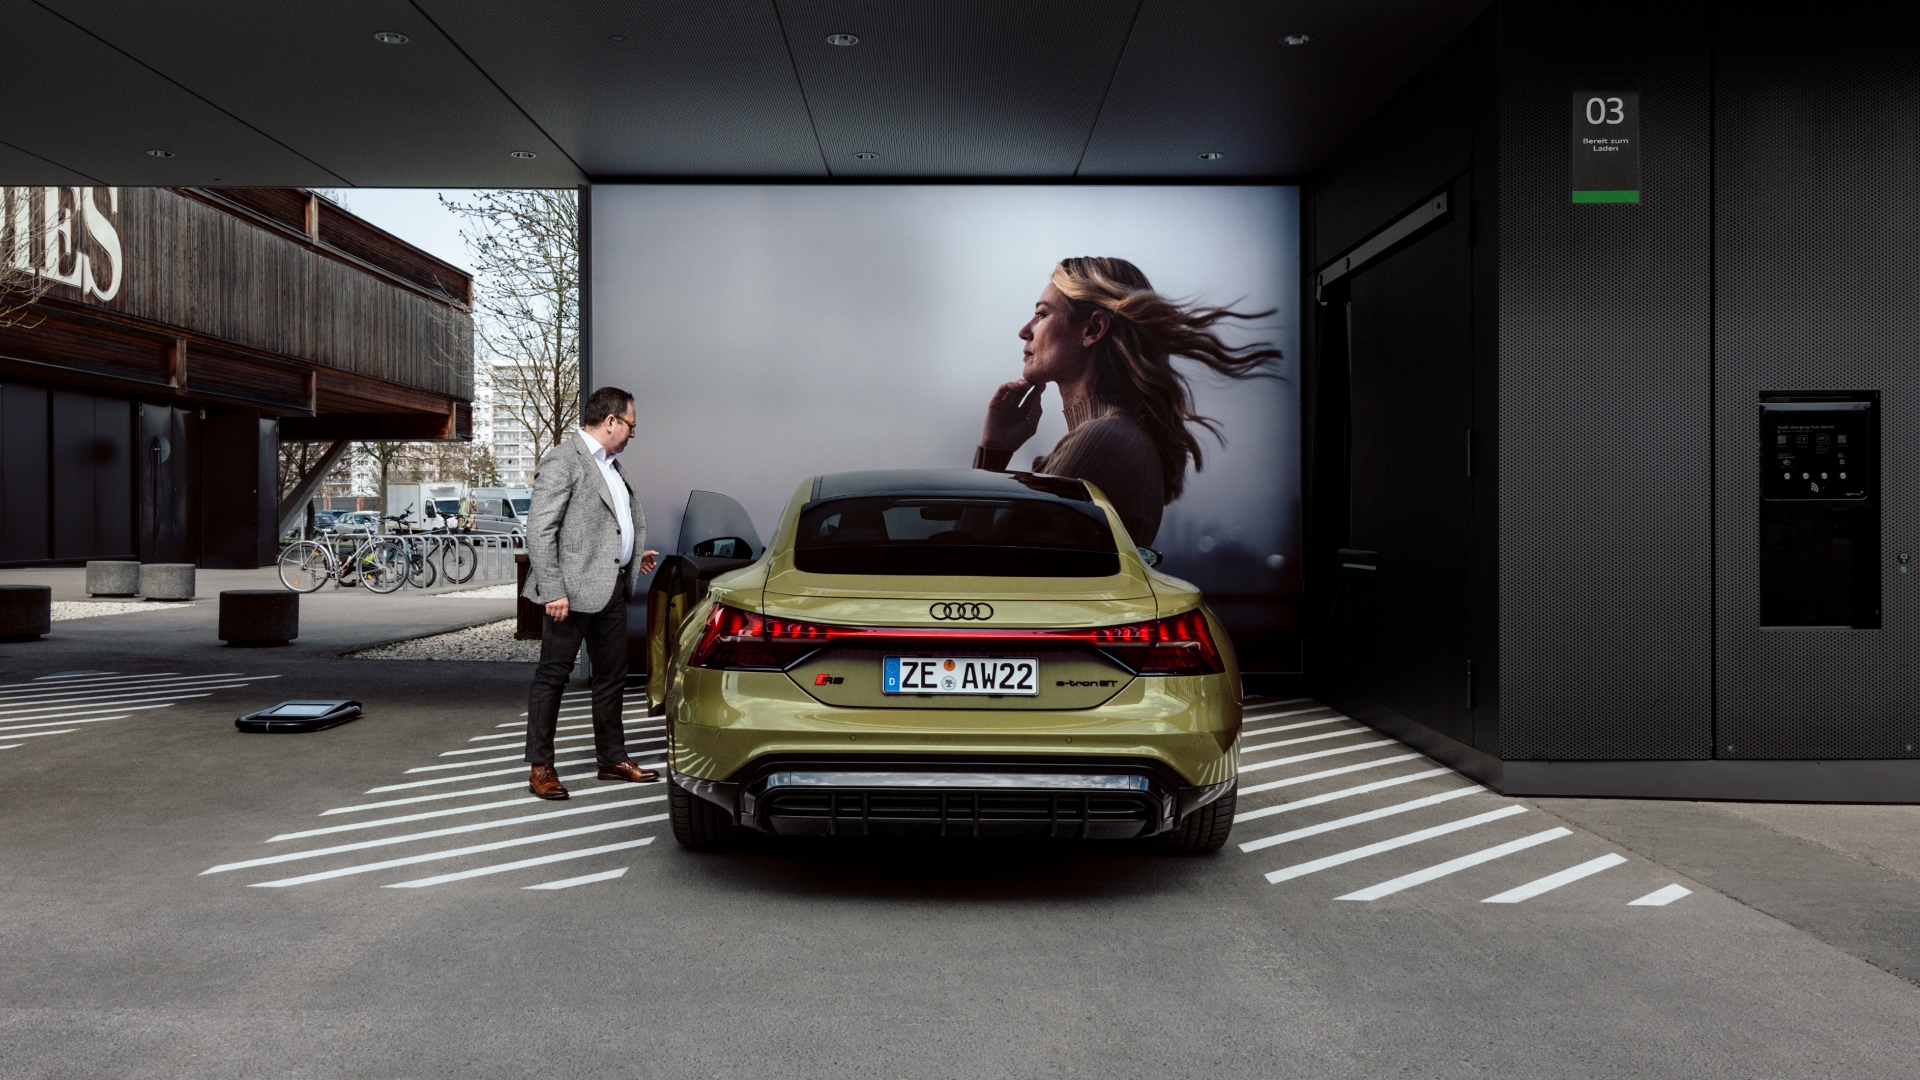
605,633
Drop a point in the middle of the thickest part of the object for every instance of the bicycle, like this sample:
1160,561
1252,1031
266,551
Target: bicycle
378,562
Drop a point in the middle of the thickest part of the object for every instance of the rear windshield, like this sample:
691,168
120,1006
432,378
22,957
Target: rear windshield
983,537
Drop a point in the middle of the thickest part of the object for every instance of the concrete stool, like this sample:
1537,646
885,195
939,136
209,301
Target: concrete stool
26,612
166,580
259,616
113,578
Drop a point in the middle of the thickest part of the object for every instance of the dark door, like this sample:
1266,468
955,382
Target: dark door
1407,630
92,455
169,504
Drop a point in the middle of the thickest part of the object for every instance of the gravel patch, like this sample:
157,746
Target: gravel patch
87,609
489,641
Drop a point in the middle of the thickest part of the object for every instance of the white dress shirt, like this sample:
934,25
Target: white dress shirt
617,493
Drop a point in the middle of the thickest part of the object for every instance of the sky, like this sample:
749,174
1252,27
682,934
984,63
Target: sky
414,215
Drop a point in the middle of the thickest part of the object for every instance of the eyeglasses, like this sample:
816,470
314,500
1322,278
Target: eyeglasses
630,424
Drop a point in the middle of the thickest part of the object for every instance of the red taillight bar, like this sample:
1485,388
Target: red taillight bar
1176,645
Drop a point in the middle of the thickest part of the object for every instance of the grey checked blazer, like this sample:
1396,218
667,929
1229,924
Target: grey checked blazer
573,537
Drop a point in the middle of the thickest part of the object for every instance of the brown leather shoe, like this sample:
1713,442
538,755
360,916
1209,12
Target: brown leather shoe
628,771
545,783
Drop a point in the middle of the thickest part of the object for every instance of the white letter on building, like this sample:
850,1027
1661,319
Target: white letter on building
101,230
59,238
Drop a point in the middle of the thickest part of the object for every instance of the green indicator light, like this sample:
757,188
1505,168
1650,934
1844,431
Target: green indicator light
1606,196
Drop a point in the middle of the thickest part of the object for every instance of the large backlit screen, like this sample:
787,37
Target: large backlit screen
774,332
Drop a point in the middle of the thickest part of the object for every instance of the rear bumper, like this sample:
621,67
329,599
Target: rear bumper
943,796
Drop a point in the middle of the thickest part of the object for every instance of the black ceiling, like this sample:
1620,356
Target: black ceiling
281,94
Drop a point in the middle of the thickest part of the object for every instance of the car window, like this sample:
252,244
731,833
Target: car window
995,537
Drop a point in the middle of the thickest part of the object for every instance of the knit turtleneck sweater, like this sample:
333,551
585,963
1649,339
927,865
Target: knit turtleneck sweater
1108,449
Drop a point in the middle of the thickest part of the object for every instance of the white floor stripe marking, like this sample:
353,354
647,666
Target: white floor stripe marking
12,746
1661,897
1258,765
454,853
77,675
450,812
38,686
1454,866
629,725
520,757
1313,866
1323,774
57,723
410,800
569,763
1277,703
43,711
537,860
1244,732
584,879
34,734
1553,881
561,739
463,777
1323,736
1360,819
129,682
107,706
575,714
1331,796
1262,715
430,834
92,693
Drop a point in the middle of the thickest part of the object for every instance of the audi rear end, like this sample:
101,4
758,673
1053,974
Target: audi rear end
950,653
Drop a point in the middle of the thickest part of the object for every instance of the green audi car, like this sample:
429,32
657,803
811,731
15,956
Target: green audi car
939,653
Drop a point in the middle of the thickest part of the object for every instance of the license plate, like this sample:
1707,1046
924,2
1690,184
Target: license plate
960,675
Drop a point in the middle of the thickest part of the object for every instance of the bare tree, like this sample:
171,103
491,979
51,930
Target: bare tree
21,283
385,455
526,250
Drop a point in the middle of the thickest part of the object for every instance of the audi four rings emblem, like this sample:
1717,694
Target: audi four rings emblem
974,612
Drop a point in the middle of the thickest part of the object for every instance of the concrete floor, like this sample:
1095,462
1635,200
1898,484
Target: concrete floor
121,956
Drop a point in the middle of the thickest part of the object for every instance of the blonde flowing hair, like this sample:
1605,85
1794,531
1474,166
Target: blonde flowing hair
1134,369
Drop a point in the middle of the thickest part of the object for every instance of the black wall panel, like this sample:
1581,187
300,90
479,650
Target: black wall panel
1818,257
92,458
231,490
26,532
1605,395
1398,384
169,500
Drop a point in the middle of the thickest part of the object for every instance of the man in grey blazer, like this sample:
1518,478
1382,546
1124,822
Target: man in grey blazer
584,535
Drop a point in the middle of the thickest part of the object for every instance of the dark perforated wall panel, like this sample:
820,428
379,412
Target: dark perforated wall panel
24,474
92,457
1818,255
1604,400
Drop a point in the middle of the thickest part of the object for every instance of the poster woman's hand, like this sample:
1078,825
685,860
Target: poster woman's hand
1013,415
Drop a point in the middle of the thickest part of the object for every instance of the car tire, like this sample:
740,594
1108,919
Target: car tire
698,824
1205,830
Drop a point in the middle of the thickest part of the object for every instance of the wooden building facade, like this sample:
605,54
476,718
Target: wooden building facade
179,334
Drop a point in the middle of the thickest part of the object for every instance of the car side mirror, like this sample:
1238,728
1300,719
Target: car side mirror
725,547
1149,556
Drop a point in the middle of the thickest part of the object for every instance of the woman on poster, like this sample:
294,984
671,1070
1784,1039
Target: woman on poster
1107,340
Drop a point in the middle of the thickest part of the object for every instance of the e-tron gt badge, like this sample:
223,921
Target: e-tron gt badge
957,612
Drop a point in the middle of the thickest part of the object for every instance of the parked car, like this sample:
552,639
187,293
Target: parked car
356,522
939,653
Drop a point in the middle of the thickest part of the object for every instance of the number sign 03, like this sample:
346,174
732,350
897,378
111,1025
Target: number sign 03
1606,146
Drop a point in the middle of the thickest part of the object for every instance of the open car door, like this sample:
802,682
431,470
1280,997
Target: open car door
716,536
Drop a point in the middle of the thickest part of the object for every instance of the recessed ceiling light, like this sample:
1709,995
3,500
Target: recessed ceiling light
388,37
616,37
865,155
524,155
159,153
1212,155
1296,39
842,39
